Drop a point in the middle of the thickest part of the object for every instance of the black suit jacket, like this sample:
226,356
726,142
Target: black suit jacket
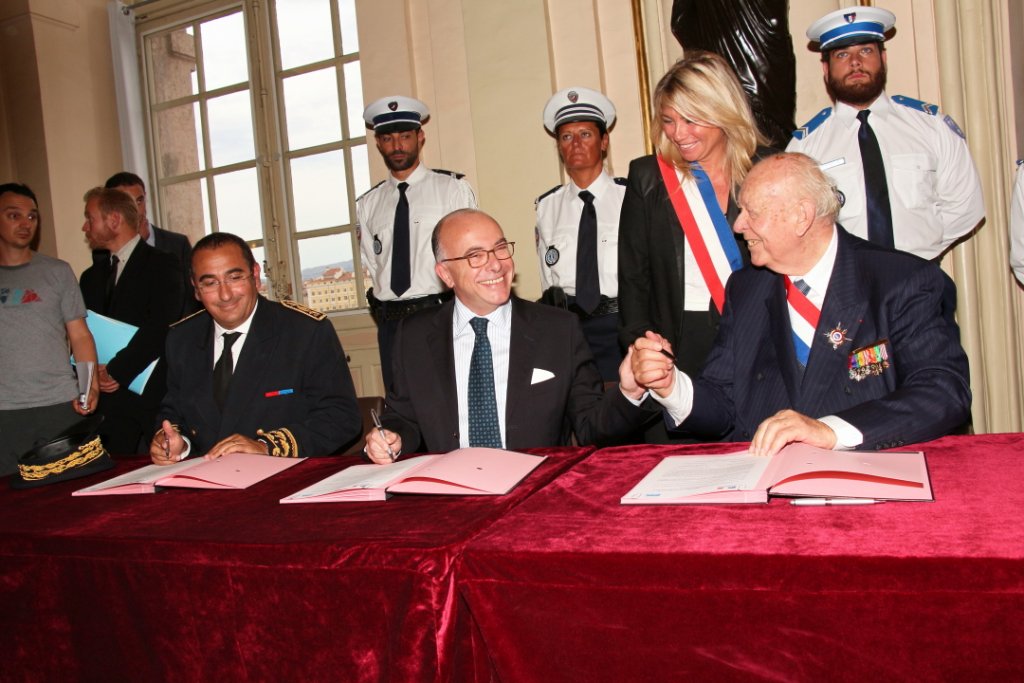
285,349
874,294
651,264
178,245
422,402
148,295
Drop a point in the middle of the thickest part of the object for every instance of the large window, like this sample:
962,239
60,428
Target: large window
255,113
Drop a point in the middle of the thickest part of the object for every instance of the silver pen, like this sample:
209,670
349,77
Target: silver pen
376,423
817,502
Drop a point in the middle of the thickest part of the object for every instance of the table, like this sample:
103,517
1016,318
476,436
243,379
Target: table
571,585
231,585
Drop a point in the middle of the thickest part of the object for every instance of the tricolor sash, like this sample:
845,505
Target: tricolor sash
718,258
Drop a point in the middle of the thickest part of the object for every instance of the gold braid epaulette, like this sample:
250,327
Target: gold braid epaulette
282,443
304,310
85,454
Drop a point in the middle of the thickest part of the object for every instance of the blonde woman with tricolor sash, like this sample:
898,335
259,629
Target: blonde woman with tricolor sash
676,244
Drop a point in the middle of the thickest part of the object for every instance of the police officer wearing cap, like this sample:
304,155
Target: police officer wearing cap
578,223
903,169
396,218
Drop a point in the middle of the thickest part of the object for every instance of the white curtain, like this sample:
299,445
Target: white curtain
128,88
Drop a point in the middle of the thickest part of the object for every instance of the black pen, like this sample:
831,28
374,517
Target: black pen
667,354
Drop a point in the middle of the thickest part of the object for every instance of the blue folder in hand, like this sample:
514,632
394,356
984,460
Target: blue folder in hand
111,336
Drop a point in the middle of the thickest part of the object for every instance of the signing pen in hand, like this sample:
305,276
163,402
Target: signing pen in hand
376,423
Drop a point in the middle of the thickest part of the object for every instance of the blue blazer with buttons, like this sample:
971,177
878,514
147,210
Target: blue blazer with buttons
875,295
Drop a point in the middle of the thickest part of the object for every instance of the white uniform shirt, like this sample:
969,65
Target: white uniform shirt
934,189
558,226
1017,225
432,195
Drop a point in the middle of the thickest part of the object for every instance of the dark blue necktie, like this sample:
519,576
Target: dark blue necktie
483,408
588,284
400,269
875,188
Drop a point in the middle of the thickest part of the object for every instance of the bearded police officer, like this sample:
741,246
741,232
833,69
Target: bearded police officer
903,169
578,223
396,218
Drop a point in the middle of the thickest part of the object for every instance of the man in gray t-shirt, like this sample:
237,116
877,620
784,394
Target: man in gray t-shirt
41,312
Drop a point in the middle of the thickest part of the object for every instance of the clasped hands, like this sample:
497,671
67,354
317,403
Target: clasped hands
649,365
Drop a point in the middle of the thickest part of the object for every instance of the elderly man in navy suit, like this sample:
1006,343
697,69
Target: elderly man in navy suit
488,369
825,339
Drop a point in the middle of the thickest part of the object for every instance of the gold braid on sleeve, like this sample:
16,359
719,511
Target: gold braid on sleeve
281,443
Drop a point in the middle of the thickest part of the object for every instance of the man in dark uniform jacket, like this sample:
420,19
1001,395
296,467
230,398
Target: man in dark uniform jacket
538,380
138,285
248,375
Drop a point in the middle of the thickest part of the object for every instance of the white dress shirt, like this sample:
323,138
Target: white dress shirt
499,334
934,189
1017,225
431,195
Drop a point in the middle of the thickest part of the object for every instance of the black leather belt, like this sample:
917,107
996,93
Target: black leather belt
554,296
400,308
605,307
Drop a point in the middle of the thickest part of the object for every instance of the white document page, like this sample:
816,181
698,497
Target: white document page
361,477
690,475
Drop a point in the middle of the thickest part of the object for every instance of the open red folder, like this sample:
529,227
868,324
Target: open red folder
463,472
798,470
231,471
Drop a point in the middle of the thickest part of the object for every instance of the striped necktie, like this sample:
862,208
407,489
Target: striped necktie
803,316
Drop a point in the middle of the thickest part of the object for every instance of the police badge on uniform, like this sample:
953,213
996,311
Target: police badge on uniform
377,246
551,256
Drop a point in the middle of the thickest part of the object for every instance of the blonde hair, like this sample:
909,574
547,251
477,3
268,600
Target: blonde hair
703,88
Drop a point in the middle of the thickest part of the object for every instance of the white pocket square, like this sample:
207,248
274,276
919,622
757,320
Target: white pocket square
541,375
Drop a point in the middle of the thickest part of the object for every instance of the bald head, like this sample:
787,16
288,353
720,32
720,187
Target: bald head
788,208
483,282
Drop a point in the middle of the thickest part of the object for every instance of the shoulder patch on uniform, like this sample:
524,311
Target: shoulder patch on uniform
371,189
1020,162
951,124
803,131
304,310
919,105
549,192
188,317
453,174
620,181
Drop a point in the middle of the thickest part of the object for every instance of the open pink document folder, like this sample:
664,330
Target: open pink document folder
798,470
463,472
232,471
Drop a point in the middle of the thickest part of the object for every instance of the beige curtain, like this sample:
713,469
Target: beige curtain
975,66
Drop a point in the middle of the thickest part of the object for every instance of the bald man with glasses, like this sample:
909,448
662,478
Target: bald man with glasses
489,369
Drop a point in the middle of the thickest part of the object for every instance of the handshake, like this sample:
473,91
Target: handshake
649,365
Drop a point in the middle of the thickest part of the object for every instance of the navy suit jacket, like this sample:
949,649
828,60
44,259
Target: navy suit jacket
285,349
422,401
875,295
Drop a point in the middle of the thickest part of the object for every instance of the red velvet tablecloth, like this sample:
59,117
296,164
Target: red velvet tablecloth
191,585
571,585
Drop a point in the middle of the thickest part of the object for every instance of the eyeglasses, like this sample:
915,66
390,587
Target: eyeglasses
231,280
479,258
